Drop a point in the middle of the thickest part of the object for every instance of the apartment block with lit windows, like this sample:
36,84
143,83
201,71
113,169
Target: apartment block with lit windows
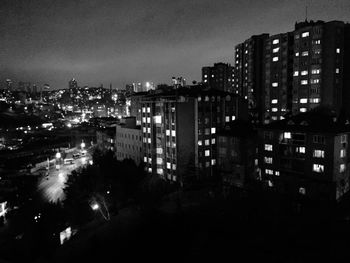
321,66
278,76
179,131
249,74
220,77
305,155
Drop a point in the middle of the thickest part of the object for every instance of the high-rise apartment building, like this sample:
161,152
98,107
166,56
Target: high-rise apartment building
248,77
220,77
321,68
277,76
179,131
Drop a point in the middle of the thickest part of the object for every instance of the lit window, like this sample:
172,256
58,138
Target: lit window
159,150
167,132
315,71
145,159
233,118
158,119
287,135
343,138
159,161
268,147
275,41
342,168
205,76
213,161
207,152
275,59
274,109
302,191
173,133
149,140
297,54
314,100
213,141
270,183
296,73
302,109
277,173
304,82
338,50
148,109
342,153
275,50
268,171
275,84
148,120
199,143
159,171
227,118
143,119
268,160
305,34
315,81
174,166
303,100
144,129
143,109
213,130
337,70
305,53
207,142
274,101
300,149
318,168
168,165
150,170
199,98
149,130
304,72
317,42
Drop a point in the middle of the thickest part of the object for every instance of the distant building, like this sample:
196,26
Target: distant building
128,142
236,152
179,131
220,77
178,82
305,155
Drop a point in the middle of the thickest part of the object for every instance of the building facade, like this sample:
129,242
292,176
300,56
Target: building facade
236,152
128,140
305,155
249,74
220,77
321,66
278,76
179,131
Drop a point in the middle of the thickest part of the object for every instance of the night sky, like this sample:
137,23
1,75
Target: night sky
118,42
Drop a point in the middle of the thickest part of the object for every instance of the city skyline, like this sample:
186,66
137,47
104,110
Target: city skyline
122,42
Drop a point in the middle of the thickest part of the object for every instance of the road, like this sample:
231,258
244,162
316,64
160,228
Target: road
52,186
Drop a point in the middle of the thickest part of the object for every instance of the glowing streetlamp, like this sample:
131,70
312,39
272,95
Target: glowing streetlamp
58,155
82,145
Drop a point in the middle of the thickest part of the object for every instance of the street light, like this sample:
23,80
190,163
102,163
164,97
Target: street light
82,145
95,206
58,155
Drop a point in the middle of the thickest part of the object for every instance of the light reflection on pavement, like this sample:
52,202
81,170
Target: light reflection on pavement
52,186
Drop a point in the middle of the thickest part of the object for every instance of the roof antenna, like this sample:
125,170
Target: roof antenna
306,13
